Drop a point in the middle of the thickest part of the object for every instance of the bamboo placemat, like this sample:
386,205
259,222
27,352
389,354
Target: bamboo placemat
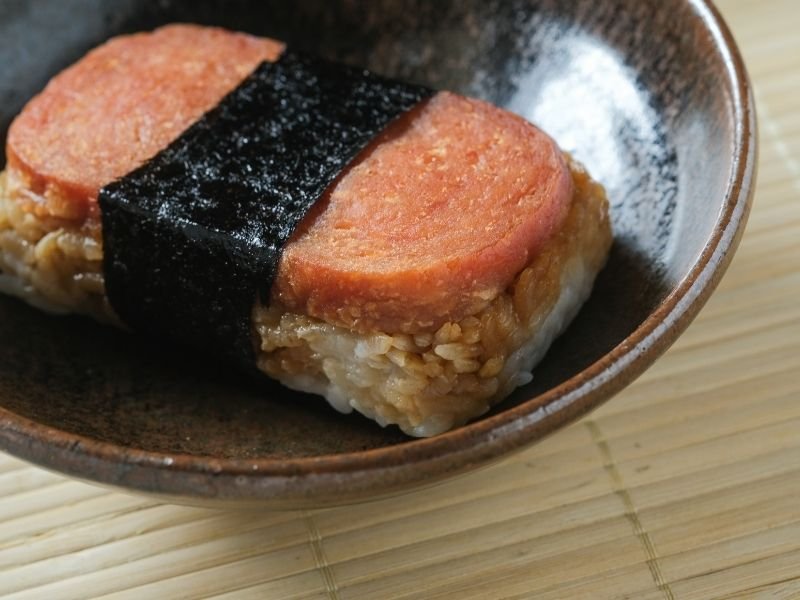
687,485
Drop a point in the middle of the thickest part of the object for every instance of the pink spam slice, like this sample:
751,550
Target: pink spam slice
427,224
430,223
122,103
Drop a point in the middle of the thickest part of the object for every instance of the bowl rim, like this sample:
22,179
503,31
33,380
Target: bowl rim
336,478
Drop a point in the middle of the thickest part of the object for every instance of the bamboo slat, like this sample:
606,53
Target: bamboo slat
686,486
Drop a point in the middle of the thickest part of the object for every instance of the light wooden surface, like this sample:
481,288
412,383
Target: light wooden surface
685,486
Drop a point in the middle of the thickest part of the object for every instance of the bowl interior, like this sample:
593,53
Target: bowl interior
628,87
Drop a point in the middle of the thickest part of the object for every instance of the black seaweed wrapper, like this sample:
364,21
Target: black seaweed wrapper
194,236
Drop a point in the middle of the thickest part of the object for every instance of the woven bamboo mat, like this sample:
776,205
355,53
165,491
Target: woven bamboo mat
687,485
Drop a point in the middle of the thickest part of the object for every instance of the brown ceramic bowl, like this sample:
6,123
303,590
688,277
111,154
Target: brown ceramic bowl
651,96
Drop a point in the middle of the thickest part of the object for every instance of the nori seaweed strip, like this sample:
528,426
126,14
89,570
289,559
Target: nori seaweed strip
191,237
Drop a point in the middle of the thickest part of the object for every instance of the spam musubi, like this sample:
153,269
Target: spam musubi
406,253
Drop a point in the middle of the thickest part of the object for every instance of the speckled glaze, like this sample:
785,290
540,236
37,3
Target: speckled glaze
651,96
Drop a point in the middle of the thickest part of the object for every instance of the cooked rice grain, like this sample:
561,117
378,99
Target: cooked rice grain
52,263
431,382
426,383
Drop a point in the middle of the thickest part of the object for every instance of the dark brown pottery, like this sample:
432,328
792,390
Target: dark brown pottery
651,95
